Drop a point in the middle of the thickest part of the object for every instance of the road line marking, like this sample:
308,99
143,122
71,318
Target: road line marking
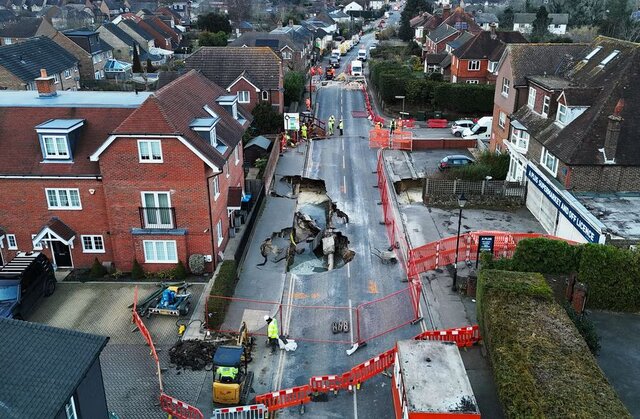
348,270
286,317
351,321
342,142
344,182
355,404
344,166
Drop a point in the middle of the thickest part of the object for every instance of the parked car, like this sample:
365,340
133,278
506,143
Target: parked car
23,281
335,63
460,125
455,160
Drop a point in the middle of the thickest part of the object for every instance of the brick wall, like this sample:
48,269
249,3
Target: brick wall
9,81
243,85
182,174
24,211
501,103
121,51
604,178
462,72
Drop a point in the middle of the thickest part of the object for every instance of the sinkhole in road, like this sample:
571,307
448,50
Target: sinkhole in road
315,243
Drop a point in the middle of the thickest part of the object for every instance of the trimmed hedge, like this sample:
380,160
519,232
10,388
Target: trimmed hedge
541,364
612,276
546,256
223,285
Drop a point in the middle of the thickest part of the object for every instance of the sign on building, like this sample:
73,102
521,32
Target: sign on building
292,121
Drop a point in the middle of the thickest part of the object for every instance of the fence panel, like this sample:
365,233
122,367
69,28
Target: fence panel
316,323
381,316
179,409
379,138
294,396
254,411
238,310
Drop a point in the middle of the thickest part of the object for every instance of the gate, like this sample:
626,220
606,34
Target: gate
381,316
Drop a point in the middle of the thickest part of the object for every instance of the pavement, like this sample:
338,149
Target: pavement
128,370
619,357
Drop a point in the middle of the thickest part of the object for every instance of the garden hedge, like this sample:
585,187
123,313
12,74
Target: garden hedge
541,364
546,256
223,285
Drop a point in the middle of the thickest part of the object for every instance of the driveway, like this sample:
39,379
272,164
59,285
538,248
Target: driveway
129,372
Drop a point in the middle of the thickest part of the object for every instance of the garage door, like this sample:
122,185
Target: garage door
541,208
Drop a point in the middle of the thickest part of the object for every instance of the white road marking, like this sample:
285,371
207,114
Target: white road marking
286,319
348,270
344,165
342,142
344,183
351,322
355,404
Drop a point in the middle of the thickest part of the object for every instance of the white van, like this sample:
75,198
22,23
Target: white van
356,68
481,131
335,53
362,54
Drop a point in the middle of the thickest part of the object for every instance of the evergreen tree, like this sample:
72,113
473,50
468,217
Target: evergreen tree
506,19
411,10
137,67
541,24
150,67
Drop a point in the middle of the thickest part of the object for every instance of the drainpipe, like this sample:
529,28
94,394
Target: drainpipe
213,247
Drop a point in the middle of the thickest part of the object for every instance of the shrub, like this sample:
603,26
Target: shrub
97,270
541,364
293,86
546,256
471,98
136,271
180,272
224,285
612,276
488,262
586,328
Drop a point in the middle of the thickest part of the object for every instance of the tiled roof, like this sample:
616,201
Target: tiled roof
24,28
42,366
137,29
25,59
458,15
60,228
172,109
442,32
253,39
556,18
482,18
459,41
488,45
530,59
223,65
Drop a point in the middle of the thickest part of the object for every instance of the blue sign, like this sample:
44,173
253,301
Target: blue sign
564,207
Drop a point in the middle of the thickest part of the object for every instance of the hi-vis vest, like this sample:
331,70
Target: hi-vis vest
272,330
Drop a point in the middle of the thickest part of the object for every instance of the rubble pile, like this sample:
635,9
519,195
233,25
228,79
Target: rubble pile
194,354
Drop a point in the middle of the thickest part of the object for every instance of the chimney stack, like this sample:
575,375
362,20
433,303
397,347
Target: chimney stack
446,11
46,85
291,23
492,28
613,130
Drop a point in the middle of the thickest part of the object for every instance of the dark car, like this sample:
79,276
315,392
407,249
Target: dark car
455,160
335,62
23,281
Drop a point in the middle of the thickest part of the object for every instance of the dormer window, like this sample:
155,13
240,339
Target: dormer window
58,138
608,58
213,137
562,116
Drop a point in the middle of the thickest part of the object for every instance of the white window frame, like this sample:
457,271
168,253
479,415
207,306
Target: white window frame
96,75
216,188
531,100
236,154
37,246
92,245
151,158
57,149
265,95
472,82
213,137
493,65
286,55
474,65
546,104
12,242
520,139
7,41
153,257
563,111
219,232
70,409
241,96
56,78
506,85
544,157
67,74
158,214
58,193
502,119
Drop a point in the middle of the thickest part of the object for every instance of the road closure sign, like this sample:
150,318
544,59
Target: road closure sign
292,121
485,244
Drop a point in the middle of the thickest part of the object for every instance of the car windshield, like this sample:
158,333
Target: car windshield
9,292
475,128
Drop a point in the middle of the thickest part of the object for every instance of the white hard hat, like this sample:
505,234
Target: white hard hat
267,318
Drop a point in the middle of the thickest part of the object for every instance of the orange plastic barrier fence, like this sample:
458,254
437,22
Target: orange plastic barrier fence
325,383
294,396
462,336
178,409
437,123
372,367
379,138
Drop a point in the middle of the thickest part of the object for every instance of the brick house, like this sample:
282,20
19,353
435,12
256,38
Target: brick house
119,175
517,62
451,26
94,54
294,54
476,60
253,73
23,29
578,132
19,64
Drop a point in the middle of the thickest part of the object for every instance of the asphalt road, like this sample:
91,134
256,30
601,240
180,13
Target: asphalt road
347,166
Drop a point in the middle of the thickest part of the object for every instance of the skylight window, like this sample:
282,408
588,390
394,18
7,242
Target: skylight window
609,57
592,53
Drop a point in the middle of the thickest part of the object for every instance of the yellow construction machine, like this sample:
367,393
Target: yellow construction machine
231,378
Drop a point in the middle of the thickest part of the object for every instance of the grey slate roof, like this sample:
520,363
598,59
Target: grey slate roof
137,29
223,65
259,141
530,59
482,18
119,33
25,59
25,27
275,41
42,366
484,46
556,18
459,41
441,32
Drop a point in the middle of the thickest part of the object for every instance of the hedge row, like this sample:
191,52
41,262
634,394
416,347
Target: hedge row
224,285
541,364
612,275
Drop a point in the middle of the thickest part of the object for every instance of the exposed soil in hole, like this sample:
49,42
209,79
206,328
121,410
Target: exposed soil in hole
195,354
316,245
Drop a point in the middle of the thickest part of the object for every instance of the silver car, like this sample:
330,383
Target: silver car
460,125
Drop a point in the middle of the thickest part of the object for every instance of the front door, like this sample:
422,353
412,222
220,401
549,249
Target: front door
61,254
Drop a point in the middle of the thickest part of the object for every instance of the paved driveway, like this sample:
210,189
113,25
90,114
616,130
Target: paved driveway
129,373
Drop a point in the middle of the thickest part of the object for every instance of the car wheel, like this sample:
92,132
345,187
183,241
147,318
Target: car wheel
50,287
458,134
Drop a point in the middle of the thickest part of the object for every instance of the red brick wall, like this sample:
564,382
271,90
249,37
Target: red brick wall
25,211
243,85
461,70
182,173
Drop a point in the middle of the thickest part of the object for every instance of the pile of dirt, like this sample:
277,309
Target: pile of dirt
194,354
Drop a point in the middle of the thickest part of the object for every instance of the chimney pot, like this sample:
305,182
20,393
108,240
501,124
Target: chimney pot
46,85
43,72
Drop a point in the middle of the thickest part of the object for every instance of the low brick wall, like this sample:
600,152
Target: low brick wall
442,143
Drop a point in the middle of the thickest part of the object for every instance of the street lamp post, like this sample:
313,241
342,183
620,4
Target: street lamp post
401,97
462,201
